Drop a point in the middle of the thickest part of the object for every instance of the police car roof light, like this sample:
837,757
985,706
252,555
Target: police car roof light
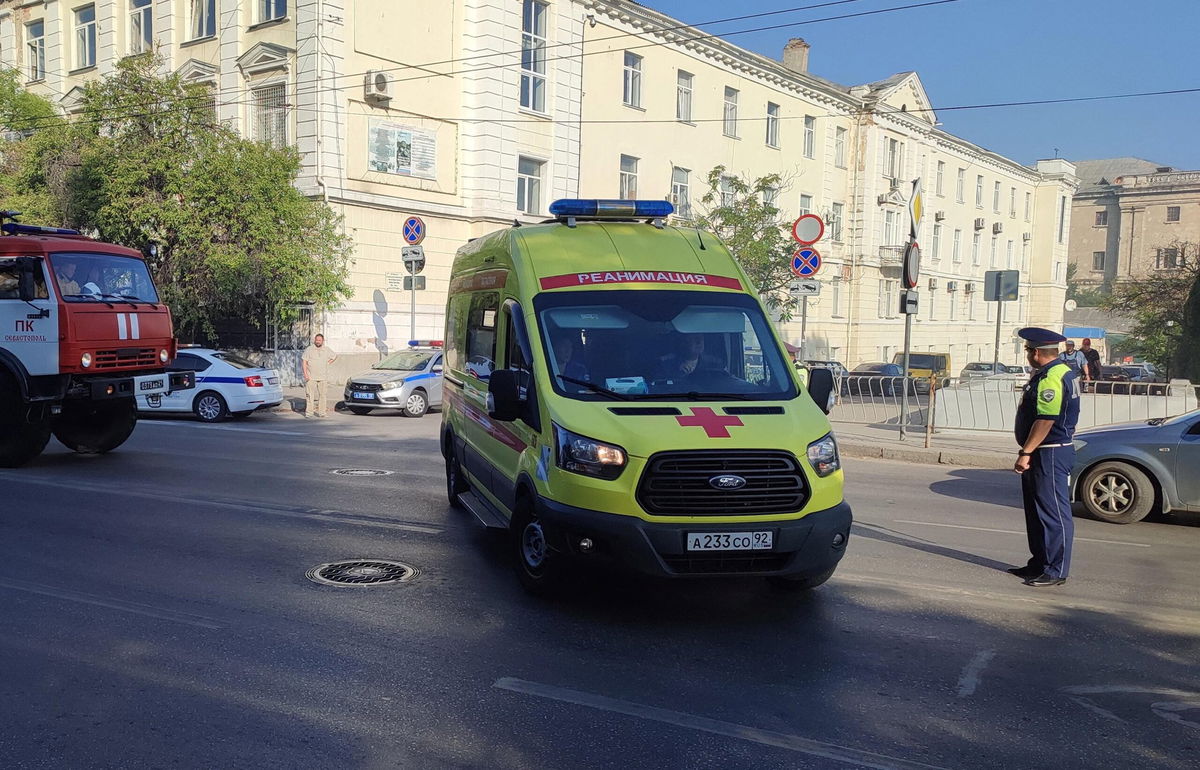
425,343
611,209
16,228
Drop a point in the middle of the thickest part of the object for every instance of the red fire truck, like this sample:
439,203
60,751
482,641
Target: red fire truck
82,331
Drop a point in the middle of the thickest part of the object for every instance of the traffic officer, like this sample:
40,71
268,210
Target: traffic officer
1045,427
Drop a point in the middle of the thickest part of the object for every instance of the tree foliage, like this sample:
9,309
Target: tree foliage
740,211
1165,307
227,233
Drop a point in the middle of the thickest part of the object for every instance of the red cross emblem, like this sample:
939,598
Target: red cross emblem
714,424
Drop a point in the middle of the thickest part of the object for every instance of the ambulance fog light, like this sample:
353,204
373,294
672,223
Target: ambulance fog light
838,540
823,456
85,360
580,454
586,545
163,355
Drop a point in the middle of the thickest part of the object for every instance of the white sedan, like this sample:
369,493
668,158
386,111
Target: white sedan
225,385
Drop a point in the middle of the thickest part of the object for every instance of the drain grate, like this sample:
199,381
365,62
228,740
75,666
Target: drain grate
361,572
360,472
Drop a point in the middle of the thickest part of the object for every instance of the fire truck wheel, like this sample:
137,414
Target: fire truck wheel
95,428
20,440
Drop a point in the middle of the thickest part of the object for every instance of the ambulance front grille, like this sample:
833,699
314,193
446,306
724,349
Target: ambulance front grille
678,483
125,357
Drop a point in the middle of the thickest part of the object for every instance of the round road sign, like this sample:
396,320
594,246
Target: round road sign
912,265
806,262
414,230
808,229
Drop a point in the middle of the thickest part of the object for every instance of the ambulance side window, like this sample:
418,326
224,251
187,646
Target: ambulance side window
481,335
515,359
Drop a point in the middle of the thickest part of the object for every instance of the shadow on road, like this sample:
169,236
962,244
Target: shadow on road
981,486
882,534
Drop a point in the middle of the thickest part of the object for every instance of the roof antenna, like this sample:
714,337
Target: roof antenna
516,222
700,237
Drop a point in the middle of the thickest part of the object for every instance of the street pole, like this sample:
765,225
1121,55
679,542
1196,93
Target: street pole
803,326
904,378
999,319
412,307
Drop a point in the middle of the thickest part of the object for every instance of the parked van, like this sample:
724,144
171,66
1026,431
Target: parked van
615,394
926,369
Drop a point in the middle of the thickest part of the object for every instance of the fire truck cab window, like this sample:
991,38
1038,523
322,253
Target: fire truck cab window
10,281
89,277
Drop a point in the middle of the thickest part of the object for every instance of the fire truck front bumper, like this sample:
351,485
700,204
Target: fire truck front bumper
142,385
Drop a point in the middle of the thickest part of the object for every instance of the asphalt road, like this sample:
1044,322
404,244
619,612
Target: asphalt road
157,614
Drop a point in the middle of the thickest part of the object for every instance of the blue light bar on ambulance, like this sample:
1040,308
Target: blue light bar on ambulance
16,228
611,209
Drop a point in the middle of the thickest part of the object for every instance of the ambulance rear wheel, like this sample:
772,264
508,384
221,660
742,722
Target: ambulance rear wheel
455,483
20,439
92,428
539,567
782,583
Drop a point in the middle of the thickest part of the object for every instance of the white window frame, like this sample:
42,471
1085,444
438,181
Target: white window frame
810,136
529,186
961,186
261,117
931,305
203,19
85,36
995,253
937,242
683,95
996,196
727,193
956,250
141,26
836,292
271,10
953,307
627,187
837,221
1028,205
1009,253
681,191
894,162
939,180
35,49
772,125
534,23
1062,219
631,81
891,228
806,204
979,191
1099,265
839,147
1012,203
976,243
730,115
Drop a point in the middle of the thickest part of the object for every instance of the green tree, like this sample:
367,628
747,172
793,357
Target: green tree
740,212
28,121
1165,307
228,234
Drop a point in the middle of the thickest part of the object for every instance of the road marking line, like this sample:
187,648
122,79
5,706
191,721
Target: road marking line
971,673
114,604
1014,532
1169,711
1104,689
231,428
715,726
1096,709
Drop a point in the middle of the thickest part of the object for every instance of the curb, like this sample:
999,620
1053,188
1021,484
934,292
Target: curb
961,458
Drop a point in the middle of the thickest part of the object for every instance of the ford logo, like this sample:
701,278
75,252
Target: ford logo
727,481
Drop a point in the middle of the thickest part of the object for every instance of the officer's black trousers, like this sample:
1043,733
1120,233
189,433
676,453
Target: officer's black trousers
1045,488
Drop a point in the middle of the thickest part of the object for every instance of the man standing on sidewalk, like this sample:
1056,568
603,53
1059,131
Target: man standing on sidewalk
1093,359
1076,360
1045,428
316,361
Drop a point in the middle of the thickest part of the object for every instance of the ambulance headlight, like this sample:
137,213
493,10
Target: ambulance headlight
823,456
85,360
580,454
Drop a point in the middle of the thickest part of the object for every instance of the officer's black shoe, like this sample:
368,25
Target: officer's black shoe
1025,572
1044,580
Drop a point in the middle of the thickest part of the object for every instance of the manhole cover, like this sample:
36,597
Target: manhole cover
360,472
361,572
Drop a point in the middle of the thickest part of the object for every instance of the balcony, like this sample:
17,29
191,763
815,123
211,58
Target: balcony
891,256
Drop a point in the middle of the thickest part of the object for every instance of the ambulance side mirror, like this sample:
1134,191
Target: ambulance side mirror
504,395
27,285
820,387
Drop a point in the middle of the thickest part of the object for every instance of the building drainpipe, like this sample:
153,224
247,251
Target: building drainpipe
588,20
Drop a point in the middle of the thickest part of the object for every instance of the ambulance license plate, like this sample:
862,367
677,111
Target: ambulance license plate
364,396
730,541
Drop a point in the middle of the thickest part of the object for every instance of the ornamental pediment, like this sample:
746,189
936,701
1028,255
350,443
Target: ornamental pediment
264,57
196,71
72,101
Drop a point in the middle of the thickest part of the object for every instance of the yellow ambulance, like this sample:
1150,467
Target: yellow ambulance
615,395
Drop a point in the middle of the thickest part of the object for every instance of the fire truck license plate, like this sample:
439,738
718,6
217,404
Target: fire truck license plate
156,384
730,541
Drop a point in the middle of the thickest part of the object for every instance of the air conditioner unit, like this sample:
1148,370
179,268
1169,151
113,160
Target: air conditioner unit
969,288
377,86
1027,236
933,284
939,216
951,285
997,227
979,223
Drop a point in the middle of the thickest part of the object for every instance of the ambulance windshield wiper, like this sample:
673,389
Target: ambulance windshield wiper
593,387
695,395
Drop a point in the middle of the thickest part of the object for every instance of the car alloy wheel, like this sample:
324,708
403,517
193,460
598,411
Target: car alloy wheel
1112,493
416,404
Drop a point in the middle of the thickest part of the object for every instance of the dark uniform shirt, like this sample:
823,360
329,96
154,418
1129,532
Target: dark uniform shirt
1051,394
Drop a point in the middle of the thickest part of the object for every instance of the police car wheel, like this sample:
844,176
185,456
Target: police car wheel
416,405
210,407
1118,493
784,583
539,568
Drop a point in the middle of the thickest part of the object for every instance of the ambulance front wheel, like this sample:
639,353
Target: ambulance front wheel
95,428
539,567
800,583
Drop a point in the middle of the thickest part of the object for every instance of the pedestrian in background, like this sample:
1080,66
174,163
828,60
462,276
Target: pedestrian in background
1093,359
1045,428
1076,360
316,361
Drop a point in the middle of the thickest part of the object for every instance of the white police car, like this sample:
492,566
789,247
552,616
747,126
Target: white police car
408,380
225,385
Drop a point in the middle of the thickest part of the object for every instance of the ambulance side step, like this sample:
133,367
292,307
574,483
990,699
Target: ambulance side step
484,512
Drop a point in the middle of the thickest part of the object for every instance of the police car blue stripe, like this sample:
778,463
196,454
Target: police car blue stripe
240,380
427,376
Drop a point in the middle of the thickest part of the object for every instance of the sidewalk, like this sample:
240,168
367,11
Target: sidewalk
974,449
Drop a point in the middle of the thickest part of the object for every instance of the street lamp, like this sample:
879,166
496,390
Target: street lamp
1170,353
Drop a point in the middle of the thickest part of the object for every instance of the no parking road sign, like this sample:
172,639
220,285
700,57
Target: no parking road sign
806,262
414,230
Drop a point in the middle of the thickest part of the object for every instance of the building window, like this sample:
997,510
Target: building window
772,124
805,204
810,136
1012,203
1167,259
728,196
683,96
1172,213
270,10
939,180
960,186
533,56
937,242
971,306
894,162
529,185
956,247
85,37
1098,261
979,191
1008,255
836,290
1062,218
975,240
1028,205
731,115
931,305
953,308
681,192
632,95
204,19
628,186
836,215
770,198
839,147
1102,218
141,26
35,36
891,228
1058,272
269,115
994,253
996,198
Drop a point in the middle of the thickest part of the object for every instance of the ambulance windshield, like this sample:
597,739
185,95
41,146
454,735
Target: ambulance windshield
84,277
644,345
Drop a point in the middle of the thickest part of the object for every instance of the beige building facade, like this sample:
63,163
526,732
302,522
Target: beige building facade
1133,219
471,114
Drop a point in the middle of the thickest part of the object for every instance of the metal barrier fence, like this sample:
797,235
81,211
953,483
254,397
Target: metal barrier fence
876,400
